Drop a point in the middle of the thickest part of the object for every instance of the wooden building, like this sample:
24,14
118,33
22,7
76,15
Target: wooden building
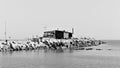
57,34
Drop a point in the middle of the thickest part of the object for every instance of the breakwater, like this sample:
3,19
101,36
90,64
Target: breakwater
76,44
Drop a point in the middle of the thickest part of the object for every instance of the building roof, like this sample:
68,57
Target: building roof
58,30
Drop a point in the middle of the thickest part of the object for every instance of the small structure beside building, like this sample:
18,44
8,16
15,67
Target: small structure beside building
58,34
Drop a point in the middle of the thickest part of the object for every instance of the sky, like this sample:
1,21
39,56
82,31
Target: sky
89,18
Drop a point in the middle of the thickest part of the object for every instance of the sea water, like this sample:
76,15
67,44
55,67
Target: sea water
107,57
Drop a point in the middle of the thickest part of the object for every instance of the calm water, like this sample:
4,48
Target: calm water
63,59
113,42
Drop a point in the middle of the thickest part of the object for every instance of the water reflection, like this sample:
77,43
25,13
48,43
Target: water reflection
7,53
37,51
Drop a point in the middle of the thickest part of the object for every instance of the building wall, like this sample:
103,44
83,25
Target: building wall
66,35
49,34
70,35
58,34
